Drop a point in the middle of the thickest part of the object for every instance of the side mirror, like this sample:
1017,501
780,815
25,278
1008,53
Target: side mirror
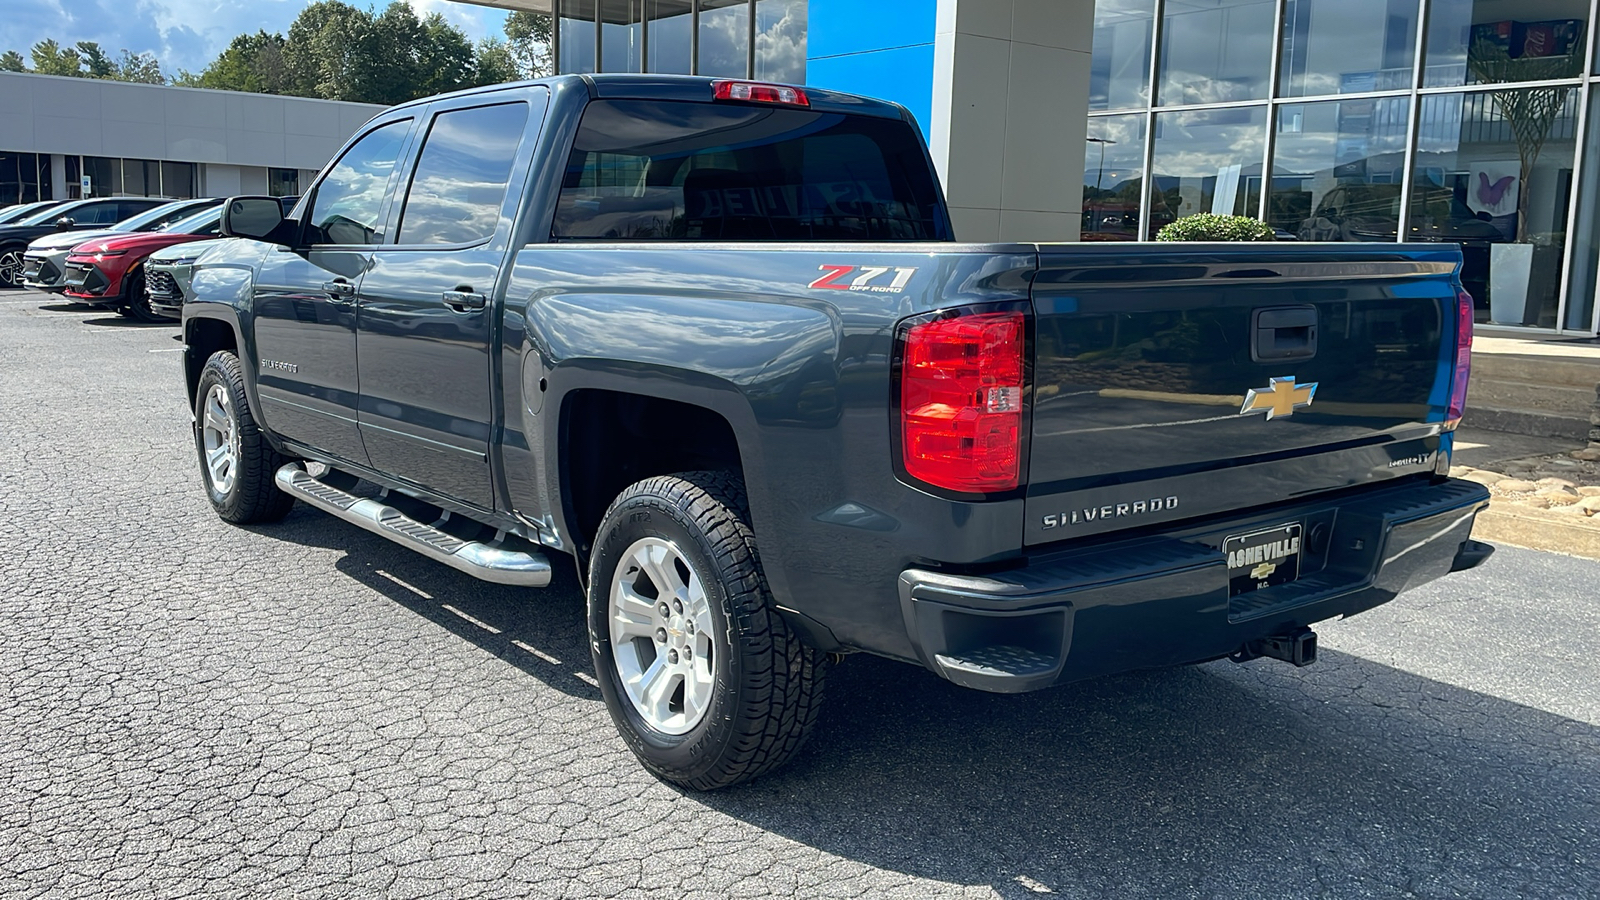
257,218
66,222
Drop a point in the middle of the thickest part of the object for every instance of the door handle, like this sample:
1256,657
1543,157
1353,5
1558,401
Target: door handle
465,301
339,287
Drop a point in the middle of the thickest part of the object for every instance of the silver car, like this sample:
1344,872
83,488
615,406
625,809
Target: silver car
44,262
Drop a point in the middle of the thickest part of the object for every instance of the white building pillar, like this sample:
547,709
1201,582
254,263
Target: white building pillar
58,178
1010,108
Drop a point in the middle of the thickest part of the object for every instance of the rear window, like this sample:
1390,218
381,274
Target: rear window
648,170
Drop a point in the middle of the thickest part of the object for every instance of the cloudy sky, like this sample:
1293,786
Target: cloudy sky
186,34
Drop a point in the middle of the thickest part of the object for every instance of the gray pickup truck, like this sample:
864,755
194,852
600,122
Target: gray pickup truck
714,344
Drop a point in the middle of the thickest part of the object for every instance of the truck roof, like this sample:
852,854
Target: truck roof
694,88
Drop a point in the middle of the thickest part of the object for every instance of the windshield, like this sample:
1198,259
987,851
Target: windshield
150,220
196,223
49,216
23,210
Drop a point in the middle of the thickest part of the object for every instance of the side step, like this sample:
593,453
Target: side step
487,561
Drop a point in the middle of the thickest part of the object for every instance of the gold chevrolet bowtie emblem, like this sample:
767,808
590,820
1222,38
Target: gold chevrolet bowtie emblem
1263,571
1281,397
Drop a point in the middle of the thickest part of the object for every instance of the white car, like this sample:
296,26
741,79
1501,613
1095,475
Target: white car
43,264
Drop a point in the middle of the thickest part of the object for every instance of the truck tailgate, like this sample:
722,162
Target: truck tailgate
1172,383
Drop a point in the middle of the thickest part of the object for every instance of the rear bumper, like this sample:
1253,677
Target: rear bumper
1163,600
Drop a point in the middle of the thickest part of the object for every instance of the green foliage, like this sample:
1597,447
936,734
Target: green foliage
528,38
1209,227
333,51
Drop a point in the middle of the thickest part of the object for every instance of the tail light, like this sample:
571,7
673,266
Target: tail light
756,92
1463,373
961,382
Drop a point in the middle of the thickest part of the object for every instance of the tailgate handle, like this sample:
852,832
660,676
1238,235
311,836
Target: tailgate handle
1284,333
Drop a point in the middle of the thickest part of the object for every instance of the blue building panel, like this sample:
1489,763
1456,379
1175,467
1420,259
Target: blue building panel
837,27
902,74
882,48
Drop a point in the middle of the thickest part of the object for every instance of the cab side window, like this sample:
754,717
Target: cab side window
460,182
350,199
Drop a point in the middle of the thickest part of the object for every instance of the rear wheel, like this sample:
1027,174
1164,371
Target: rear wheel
703,678
236,462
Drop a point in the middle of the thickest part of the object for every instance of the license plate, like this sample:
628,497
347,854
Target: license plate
1262,559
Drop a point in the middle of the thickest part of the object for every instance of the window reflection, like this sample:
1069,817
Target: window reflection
1206,161
1119,71
670,26
724,38
1494,174
1213,51
350,197
1338,168
622,36
1494,42
460,182
577,37
1113,176
781,40
1347,46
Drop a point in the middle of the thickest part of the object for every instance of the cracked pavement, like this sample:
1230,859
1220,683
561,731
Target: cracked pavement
192,709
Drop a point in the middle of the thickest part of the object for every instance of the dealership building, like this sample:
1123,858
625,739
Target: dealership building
1466,121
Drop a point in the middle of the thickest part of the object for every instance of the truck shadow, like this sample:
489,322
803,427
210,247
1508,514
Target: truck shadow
1214,780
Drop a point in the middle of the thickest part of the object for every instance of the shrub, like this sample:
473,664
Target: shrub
1209,227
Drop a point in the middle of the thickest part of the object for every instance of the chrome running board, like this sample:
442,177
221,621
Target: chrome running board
487,561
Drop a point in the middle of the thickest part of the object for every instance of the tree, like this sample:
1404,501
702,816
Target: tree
12,61
528,38
99,65
253,63
323,50
49,58
139,67
494,63
1528,112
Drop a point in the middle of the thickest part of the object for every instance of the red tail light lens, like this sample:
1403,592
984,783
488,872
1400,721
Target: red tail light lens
961,382
1463,373
755,92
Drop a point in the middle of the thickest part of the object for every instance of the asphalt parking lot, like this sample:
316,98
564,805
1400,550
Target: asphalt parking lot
191,709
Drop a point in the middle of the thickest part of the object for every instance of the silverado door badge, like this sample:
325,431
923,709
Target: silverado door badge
1281,397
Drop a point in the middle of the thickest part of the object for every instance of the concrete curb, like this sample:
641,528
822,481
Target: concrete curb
1538,529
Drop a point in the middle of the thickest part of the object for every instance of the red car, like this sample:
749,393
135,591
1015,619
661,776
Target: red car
109,271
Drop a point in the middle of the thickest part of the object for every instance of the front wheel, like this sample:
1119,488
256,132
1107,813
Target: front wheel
137,302
11,267
236,462
703,678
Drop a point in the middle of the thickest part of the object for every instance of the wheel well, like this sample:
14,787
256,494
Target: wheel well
203,337
611,439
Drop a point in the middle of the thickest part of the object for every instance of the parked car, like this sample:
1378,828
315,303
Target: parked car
715,344
44,263
19,211
74,215
167,271
109,272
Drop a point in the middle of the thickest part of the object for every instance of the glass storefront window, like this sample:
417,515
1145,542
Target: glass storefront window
724,38
577,37
781,41
1476,42
670,29
1119,70
1215,51
283,182
1494,174
1338,168
177,180
1206,161
1586,243
21,177
1347,46
105,176
622,36
1113,176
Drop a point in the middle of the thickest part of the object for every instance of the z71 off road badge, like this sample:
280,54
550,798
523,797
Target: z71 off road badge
1281,397
862,278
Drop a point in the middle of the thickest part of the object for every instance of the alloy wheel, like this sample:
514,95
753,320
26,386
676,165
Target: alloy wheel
219,435
11,268
661,635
